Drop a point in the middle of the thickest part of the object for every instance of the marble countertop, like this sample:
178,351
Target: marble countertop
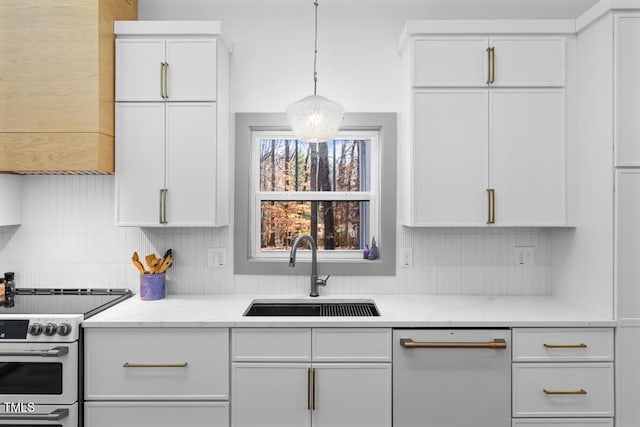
396,311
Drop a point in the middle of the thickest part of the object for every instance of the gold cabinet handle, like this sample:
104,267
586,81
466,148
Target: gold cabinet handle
581,345
149,365
488,65
166,77
491,206
164,206
308,389
493,65
496,344
579,392
313,389
162,80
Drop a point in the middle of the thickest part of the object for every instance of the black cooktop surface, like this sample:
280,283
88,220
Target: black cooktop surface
62,301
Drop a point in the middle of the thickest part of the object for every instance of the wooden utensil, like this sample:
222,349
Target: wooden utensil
135,259
166,263
152,262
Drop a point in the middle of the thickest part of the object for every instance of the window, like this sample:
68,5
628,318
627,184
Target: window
325,190
341,192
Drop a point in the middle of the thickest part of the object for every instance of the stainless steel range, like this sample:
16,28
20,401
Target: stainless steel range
41,352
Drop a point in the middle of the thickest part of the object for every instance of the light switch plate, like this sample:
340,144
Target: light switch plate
406,257
525,256
217,257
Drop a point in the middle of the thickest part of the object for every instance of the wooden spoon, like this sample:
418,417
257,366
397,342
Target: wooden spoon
135,259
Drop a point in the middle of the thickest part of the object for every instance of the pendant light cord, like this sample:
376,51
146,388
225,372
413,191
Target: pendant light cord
315,52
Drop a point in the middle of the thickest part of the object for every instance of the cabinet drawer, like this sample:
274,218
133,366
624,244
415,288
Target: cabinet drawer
157,363
271,345
351,345
558,422
572,390
157,414
542,345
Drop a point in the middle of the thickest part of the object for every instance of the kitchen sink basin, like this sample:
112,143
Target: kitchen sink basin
328,308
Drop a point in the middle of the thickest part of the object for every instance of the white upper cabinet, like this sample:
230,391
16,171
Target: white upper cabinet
489,61
11,206
483,136
627,91
527,157
454,153
527,61
171,69
458,61
172,124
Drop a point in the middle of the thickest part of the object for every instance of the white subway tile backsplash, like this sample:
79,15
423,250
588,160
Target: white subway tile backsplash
69,239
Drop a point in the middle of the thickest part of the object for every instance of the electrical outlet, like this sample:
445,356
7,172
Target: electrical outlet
217,257
406,257
525,256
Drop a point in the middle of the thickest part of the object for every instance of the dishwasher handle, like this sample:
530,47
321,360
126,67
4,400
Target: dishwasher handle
496,344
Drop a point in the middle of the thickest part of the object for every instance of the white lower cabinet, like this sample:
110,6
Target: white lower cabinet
557,422
571,382
156,376
293,389
156,414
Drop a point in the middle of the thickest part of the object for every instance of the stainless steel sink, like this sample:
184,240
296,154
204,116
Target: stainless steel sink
305,308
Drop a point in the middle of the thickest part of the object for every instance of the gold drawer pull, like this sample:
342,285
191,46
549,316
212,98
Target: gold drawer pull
581,391
496,344
581,345
147,365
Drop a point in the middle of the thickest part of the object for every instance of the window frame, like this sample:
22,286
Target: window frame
245,261
370,196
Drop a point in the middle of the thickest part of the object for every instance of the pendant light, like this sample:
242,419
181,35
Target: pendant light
315,118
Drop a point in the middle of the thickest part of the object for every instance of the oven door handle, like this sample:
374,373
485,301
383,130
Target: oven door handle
51,352
56,415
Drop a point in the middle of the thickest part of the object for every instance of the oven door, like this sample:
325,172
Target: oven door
42,373
39,415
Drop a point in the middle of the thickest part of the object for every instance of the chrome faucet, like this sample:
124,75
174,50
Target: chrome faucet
315,282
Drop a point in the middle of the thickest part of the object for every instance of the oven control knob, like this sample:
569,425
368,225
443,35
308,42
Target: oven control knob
64,329
49,329
35,329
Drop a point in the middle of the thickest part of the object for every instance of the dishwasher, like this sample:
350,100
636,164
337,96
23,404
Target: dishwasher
451,378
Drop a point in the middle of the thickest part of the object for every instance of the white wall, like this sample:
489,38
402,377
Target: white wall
68,237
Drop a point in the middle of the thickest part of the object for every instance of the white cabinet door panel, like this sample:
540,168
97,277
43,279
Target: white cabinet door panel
450,157
191,71
627,243
627,94
138,69
528,61
191,163
456,62
11,190
140,151
270,395
354,395
627,376
527,156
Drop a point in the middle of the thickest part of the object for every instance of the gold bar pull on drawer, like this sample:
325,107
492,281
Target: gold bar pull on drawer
581,345
150,365
579,392
496,344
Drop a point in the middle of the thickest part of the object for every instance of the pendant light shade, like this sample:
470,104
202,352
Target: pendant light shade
315,118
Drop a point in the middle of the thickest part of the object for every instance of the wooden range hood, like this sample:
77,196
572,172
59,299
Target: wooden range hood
57,85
